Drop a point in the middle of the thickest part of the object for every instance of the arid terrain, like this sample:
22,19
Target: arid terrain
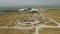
9,19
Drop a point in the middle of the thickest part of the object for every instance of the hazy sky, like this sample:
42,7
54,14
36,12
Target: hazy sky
28,2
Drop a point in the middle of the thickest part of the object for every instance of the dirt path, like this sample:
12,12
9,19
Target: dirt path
36,27
16,27
42,25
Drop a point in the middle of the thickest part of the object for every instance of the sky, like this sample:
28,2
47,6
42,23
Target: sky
29,2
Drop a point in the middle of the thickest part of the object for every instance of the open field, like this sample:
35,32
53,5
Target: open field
49,31
12,31
10,19
54,14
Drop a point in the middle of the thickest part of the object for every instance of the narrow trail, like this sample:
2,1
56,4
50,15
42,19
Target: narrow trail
16,27
54,21
50,19
46,26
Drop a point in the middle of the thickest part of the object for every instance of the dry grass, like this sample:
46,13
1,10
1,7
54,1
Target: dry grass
44,20
54,15
10,19
49,31
2,31
12,31
51,24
